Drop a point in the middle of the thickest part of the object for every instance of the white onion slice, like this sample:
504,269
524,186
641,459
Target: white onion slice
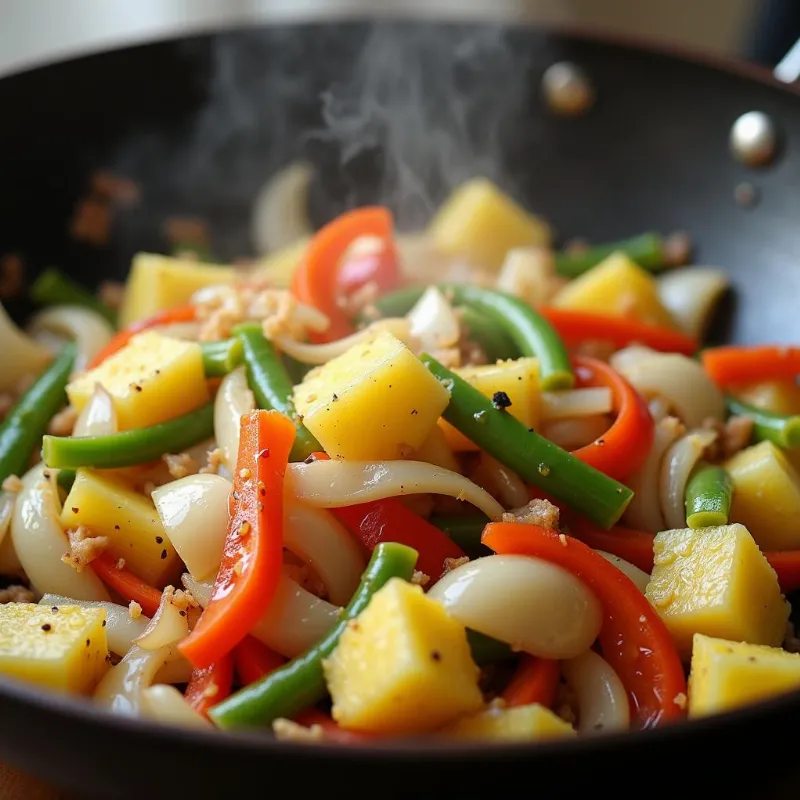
234,399
168,626
531,604
638,576
603,704
433,322
676,467
7,501
177,670
166,704
194,513
530,273
575,432
40,542
690,295
576,403
333,484
98,417
500,481
22,356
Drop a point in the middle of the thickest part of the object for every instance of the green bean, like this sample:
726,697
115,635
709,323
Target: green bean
535,459
465,530
647,250
782,430
53,288
301,683
295,369
493,340
220,358
272,386
129,447
394,304
22,429
709,492
486,650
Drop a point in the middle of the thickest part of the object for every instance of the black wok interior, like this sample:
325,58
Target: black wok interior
201,124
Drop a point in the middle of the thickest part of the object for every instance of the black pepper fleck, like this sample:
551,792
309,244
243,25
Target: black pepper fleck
47,627
104,624
75,510
54,609
335,397
501,401
414,412
159,539
137,387
436,655
116,527
163,554
88,642
182,613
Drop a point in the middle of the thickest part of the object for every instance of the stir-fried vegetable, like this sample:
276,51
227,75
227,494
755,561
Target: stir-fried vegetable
53,288
732,365
708,497
646,249
781,429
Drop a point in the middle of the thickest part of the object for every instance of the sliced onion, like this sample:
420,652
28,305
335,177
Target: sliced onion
638,576
166,704
690,295
90,331
603,704
22,356
98,417
333,484
530,273
433,322
200,590
7,501
121,627
319,539
500,481
177,670
189,331
168,626
194,513
40,541
531,604
280,212
234,399
676,467
576,403
570,434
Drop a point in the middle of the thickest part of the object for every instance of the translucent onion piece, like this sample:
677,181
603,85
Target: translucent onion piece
168,625
166,704
233,400
194,513
90,331
575,432
40,542
22,355
681,381
533,605
200,590
319,539
7,500
638,576
500,482
121,627
676,467
644,510
180,330
322,353
280,212
433,322
530,273
177,670
98,417
602,700
419,258
690,295
576,403
332,484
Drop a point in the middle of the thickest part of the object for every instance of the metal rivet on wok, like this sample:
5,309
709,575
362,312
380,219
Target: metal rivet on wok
567,90
754,139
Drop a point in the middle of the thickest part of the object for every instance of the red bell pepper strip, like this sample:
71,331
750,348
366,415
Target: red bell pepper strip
731,365
210,685
534,681
126,584
251,561
254,660
634,639
628,544
579,326
120,339
624,446
787,566
317,280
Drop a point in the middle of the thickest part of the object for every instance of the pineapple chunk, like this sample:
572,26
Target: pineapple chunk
782,397
531,723
519,379
480,224
109,508
403,666
156,283
766,496
726,675
152,379
280,266
618,287
376,401
63,649
715,581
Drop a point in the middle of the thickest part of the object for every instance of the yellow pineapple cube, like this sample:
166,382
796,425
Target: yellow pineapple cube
531,723
376,401
152,379
782,397
715,581
60,647
402,666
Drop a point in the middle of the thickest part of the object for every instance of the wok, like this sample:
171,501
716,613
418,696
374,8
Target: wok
200,123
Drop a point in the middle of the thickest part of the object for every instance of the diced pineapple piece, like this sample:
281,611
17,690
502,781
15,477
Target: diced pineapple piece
480,224
280,266
519,379
715,581
403,666
109,508
436,450
376,401
157,282
766,496
618,287
726,675
531,723
152,379
60,647
782,397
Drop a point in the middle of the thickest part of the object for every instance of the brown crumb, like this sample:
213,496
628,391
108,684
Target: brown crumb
215,461
288,731
11,274
180,465
680,700
84,547
120,563
420,578
453,563
183,600
134,610
733,435
538,512
16,594
63,423
12,484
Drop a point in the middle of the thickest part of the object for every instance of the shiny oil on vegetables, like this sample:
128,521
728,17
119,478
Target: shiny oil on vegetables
324,497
